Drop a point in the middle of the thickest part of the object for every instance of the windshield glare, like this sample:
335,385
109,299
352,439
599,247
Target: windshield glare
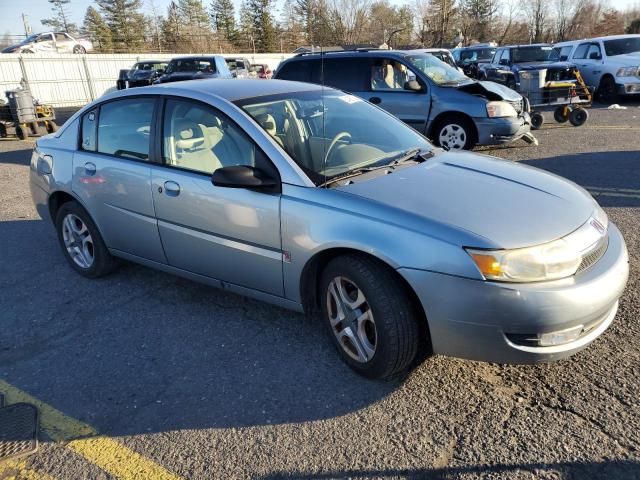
475,55
534,54
622,46
352,133
437,70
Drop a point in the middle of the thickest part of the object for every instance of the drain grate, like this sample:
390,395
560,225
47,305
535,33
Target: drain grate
18,430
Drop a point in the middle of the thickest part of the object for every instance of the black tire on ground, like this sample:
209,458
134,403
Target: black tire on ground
397,329
536,120
37,129
22,132
103,262
578,117
52,126
607,90
559,115
455,122
3,130
79,49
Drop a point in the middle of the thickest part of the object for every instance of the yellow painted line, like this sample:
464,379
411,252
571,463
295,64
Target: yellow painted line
18,470
106,453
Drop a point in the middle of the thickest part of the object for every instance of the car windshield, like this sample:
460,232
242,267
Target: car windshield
30,39
191,65
479,54
437,70
622,46
534,54
334,134
149,66
444,57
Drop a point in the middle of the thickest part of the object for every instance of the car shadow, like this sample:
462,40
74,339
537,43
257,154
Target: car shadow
140,351
606,470
613,177
21,156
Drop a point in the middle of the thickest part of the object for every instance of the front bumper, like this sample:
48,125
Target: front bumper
496,131
628,86
474,319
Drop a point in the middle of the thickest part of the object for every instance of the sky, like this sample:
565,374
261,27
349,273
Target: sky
11,11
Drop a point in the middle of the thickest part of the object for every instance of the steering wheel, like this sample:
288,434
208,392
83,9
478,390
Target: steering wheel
335,140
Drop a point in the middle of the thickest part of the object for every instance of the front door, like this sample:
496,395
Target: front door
230,234
112,175
588,58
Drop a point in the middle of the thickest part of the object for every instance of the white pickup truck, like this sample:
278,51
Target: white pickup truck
611,64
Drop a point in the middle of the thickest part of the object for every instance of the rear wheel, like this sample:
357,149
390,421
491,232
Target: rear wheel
578,117
79,49
81,242
370,316
455,132
22,132
607,90
560,114
536,120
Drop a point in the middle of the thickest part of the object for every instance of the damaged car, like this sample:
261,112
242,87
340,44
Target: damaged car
142,74
509,61
434,98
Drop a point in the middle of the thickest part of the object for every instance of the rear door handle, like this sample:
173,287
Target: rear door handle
375,100
90,168
171,188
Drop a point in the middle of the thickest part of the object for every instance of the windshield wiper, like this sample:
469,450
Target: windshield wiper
352,173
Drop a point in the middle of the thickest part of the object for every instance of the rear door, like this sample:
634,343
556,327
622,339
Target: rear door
112,175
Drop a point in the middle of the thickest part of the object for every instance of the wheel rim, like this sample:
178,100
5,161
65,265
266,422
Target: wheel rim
78,241
453,137
351,319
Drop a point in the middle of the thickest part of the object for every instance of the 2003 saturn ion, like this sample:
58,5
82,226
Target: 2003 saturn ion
316,200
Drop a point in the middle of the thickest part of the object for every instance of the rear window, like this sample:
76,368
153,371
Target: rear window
89,131
299,71
192,65
350,74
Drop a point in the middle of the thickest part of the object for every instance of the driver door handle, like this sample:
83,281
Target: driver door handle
90,169
375,100
172,189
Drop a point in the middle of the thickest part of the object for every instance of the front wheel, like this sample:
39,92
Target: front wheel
79,49
455,133
81,242
536,120
607,90
370,316
578,117
561,114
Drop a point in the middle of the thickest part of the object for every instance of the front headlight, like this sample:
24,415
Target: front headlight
627,72
550,261
500,109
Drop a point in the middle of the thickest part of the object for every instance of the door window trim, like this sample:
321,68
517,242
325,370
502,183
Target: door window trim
159,144
153,134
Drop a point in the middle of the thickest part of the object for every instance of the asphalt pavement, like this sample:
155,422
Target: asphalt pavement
160,377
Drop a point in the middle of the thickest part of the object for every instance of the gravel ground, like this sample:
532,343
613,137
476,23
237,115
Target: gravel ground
209,384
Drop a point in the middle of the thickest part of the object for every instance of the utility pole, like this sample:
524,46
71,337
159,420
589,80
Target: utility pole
27,27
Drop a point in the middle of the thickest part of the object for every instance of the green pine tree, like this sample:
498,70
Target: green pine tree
264,30
223,18
97,30
60,20
126,23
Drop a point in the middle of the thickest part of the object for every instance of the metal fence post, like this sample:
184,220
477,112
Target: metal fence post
23,70
92,92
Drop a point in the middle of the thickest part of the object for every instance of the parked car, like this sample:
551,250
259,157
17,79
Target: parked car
261,71
509,61
441,54
431,96
239,67
51,42
469,58
195,68
611,65
315,200
141,74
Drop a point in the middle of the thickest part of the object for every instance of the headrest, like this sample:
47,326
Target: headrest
268,123
187,134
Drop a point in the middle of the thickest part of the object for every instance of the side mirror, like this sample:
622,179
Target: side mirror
413,85
594,56
243,176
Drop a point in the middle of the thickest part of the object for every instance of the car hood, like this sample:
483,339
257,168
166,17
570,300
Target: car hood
508,204
627,60
141,74
541,65
491,90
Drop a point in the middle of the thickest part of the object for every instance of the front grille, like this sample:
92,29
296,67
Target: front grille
593,256
517,105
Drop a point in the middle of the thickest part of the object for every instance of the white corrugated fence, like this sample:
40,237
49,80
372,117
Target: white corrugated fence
74,80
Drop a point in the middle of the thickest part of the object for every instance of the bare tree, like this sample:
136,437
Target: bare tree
536,14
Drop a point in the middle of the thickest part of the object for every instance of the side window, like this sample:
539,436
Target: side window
60,37
593,53
350,74
389,75
506,57
496,56
297,71
89,131
124,128
564,52
199,138
581,51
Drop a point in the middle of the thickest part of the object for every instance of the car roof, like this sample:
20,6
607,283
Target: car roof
233,89
477,47
597,39
151,60
427,50
196,57
527,45
379,53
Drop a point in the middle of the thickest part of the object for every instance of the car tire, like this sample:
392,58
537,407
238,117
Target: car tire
81,242
607,90
536,120
52,127
455,132
382,336
559,115
79,49
22,132
3,130
37,129
578,117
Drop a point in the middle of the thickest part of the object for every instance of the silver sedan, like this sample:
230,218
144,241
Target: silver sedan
318,201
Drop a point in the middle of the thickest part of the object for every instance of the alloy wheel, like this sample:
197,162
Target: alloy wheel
452,137
351,319
78,241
